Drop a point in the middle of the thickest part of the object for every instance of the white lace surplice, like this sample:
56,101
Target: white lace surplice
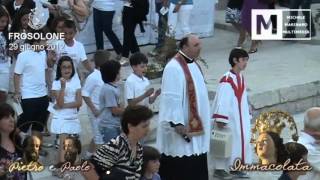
174,108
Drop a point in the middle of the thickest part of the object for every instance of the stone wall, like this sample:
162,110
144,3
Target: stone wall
292,99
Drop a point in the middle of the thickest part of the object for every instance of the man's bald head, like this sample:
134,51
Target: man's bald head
312,119
185,40
191,45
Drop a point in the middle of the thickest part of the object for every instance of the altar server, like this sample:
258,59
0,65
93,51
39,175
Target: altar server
231,109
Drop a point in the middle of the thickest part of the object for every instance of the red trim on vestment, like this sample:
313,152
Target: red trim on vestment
219,116
238,91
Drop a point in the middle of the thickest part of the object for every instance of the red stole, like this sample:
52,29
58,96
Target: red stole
194,125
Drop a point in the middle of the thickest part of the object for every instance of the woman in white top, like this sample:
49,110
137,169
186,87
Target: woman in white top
67,91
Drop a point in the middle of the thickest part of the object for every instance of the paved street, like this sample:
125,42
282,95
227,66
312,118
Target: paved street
276,65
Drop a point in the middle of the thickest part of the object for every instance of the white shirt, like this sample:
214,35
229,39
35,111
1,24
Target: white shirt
313,155
76,52
135,86
93,86
31,66
70,91
104,5
174,107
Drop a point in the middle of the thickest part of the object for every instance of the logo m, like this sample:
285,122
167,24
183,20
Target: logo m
266,25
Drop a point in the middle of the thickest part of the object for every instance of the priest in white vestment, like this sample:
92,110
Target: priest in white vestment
310,138
231,109
183,133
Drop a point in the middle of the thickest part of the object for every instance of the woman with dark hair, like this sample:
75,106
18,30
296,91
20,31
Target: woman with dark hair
19,25
121,158
9,143
270,148
297,153
20,21
5,26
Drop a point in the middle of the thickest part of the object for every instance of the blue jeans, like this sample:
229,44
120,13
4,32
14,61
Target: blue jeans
109,132
162,26
103,23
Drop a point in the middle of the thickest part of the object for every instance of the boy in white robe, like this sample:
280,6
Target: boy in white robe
231,109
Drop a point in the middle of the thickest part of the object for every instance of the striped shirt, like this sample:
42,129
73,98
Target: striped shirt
117,156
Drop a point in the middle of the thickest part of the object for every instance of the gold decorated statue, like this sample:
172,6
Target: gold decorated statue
266,136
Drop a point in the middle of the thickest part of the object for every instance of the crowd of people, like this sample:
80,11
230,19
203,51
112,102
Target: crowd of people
49,83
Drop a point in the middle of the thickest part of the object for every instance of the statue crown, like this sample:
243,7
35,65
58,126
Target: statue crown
274,121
